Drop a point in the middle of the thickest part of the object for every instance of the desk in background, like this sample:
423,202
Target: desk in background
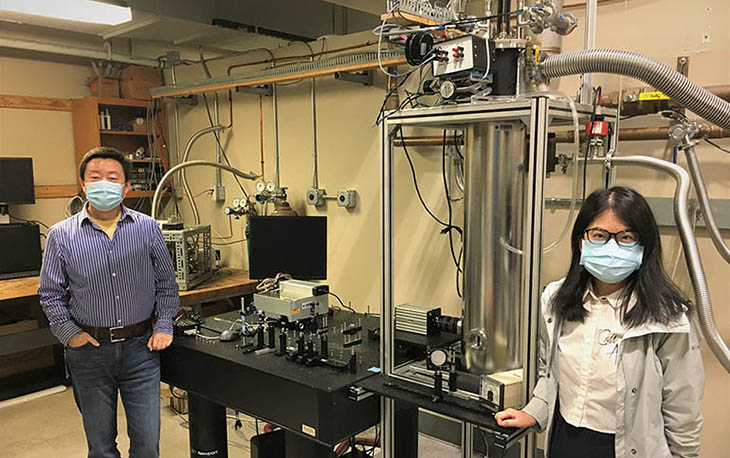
30,346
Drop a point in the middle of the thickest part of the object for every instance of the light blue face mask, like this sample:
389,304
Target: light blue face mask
104,195
611,262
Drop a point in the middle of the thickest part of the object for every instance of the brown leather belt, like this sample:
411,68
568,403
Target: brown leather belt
118,333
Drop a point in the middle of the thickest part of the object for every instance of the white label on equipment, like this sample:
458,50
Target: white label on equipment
306,429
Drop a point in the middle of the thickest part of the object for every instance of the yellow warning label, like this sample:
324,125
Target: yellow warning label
653,96
296,311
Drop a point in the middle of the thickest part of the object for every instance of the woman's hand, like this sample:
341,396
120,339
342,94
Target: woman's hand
512,418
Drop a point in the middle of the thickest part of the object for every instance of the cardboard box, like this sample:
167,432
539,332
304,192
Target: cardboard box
105,87
137,82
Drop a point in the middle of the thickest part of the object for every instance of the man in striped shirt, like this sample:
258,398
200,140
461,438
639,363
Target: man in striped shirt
108,289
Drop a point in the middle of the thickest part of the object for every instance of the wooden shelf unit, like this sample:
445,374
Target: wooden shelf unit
88,133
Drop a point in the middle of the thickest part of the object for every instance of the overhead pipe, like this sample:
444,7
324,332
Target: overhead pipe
631,95
65,50
183,175
667,80
643,133
689,245
181,167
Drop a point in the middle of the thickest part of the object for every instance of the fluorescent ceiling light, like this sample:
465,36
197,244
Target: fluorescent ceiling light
72,10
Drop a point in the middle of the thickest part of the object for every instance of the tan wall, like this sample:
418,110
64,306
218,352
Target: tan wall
349,158
46,136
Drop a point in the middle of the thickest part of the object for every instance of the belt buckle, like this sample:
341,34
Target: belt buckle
112,339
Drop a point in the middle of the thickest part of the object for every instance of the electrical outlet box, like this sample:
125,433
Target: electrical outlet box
315,196
220,193
347,198
463,54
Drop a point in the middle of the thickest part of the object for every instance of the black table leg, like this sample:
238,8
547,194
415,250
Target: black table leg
208,429
406,430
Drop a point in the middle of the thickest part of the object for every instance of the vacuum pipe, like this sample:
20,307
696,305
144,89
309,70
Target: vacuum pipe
689,245
589,42
183,176
166,177
672,83
704,201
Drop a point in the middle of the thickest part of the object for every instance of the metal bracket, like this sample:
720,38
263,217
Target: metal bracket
191,100
364,77
267,90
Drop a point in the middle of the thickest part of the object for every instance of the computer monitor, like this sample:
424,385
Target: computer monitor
20,245
296,245
16,181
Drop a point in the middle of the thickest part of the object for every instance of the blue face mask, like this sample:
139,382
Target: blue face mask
611,262
104,195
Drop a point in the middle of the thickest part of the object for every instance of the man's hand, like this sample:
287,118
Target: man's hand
159,341
81,339
512,418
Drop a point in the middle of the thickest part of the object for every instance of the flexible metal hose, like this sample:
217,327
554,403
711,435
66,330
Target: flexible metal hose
704,201
689,244
184,165
183,175
672,83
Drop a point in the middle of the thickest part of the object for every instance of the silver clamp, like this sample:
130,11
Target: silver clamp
683,133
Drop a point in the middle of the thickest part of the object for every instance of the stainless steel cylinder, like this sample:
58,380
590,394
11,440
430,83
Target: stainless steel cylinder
494,206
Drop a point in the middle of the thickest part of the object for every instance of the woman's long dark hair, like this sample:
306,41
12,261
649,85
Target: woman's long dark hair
657,297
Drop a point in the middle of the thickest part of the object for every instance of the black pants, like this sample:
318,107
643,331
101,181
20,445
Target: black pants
567,441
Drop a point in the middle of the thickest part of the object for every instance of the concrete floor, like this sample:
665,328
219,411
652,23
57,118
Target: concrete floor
51,427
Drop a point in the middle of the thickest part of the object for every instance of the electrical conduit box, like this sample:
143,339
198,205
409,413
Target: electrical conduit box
461,55
294,300
501,390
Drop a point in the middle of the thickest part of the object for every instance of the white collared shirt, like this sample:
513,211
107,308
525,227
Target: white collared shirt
588,355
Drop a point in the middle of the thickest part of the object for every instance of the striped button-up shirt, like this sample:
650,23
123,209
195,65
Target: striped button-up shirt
88,279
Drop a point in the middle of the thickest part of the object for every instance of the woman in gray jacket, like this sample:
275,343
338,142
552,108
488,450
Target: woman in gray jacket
620,367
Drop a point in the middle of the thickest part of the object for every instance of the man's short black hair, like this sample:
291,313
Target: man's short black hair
105,152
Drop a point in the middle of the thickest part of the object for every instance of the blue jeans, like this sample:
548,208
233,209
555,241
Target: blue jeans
127,368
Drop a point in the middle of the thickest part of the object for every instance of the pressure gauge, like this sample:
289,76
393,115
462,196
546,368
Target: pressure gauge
447,89
271,186
235,203
261,186
438,358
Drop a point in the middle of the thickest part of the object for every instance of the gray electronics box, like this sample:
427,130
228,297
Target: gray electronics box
502,390
190,250
418,319
294,300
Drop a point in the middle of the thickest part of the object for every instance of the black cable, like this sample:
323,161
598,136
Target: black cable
450,227
340,301
218,140
29,221
717,146
484,438
415,180
257,426
589,137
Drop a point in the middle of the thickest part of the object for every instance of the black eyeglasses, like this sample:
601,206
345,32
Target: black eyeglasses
598,236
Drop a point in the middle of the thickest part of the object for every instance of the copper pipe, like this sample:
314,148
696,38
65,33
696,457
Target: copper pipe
261,131
632,95
437,140
646,133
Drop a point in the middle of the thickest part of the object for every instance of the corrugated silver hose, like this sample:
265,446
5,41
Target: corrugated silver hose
704,201
689,244
672,83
